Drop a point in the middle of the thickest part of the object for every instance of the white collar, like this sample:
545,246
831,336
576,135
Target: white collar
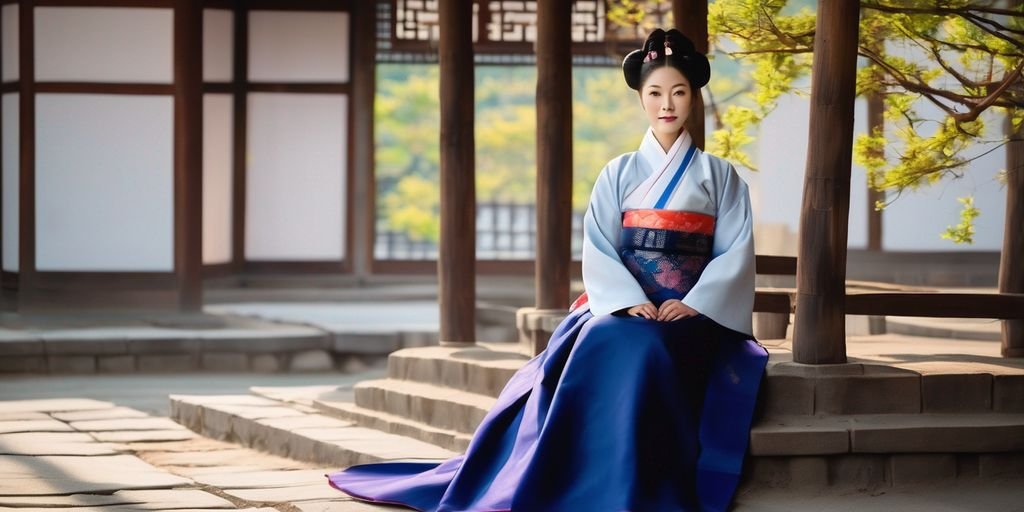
659,159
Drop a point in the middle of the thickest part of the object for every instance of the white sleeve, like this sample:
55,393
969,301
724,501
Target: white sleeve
610,286
725,290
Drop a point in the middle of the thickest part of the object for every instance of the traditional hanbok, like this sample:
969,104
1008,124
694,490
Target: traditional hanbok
622,413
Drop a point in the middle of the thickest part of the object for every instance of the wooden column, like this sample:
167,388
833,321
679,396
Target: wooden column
188,152
819,330
239,141
554,153
363,196
1011,272
27,152
691,18
456,261
876,121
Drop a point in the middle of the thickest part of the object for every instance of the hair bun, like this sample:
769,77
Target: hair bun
683,56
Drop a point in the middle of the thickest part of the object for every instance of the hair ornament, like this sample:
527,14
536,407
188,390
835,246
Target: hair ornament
651,55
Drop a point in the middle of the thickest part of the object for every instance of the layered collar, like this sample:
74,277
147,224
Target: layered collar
661,163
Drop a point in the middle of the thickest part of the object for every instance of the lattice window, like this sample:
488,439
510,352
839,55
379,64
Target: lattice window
418,20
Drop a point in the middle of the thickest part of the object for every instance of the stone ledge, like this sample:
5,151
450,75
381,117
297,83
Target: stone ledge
437,406
448,439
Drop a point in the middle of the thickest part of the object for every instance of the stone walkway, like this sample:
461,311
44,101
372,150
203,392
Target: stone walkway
90,455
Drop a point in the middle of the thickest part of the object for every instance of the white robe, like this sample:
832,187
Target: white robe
636,180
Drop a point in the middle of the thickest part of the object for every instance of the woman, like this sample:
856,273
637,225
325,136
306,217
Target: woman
643,399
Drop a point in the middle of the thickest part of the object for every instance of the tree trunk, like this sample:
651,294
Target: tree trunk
820,330
876,121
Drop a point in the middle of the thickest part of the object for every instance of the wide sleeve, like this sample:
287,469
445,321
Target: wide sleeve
725,290
610,287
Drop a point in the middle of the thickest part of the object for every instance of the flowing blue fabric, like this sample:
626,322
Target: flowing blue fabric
618,414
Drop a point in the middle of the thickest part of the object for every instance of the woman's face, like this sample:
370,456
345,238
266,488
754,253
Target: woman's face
666,100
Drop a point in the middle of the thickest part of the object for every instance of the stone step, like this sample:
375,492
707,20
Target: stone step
790,388
348,411
294,431
440,407
887,433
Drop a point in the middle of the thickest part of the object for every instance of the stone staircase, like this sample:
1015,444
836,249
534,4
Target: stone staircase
861,425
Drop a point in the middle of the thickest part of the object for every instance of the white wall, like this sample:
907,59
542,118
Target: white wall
295,188
10,168
104,183
10,45
101,44
217,177
218,45
298,46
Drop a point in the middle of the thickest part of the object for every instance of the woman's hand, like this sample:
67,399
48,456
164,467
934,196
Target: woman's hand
645,310
673,309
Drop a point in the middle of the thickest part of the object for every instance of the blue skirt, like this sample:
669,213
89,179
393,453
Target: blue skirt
617,414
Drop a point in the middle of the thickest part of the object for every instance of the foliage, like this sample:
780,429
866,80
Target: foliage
964,231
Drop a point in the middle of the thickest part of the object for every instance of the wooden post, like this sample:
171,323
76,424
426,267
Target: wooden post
188,152
691,18
363,196
1011,272
876,121
456,261
820,331
26,153
554,153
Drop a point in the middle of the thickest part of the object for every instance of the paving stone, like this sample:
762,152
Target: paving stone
868,394
50,425
922,467
991,465
800,435
18,416
111,413
195,444
54,405
263,479
23,364
123,424
1008,393
224,400
956,392
167,363
861,471
311,361
340,505
21,476
321,491
787,395
71,364
808,471
305,421
225,362
52,443
241,457
165,346
115,364
265,363
144,436
174,499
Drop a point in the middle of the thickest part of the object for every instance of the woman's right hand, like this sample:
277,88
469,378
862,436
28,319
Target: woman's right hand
646,310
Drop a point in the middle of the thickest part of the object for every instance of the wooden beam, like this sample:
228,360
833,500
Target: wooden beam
691,18
820,327
363,192
554,153
936,305
1011,269
457,253
188,152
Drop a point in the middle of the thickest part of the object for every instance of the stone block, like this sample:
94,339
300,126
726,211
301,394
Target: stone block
311,361
858,471
1008,393
1001,464
351,364
868,394
85,346
773,472
225,362
922,467
787,395
115,364
808,471
265,363
264,344
967,465
799,435
164,346
956,392
366,343
71,364
929,433
22,347
23,364
165,363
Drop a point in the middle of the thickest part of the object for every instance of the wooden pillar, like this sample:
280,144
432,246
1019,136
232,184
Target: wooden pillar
876,121
691,18
554,153
239,142
456,262
188,152
819,330
26,152
363,196
1011,272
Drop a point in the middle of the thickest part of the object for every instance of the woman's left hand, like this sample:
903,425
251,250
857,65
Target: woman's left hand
674,309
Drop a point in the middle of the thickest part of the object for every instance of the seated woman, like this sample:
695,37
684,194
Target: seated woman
643,399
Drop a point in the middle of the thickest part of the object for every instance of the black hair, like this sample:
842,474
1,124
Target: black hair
663,48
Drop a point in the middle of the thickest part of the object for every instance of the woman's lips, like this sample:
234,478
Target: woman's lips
668,119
